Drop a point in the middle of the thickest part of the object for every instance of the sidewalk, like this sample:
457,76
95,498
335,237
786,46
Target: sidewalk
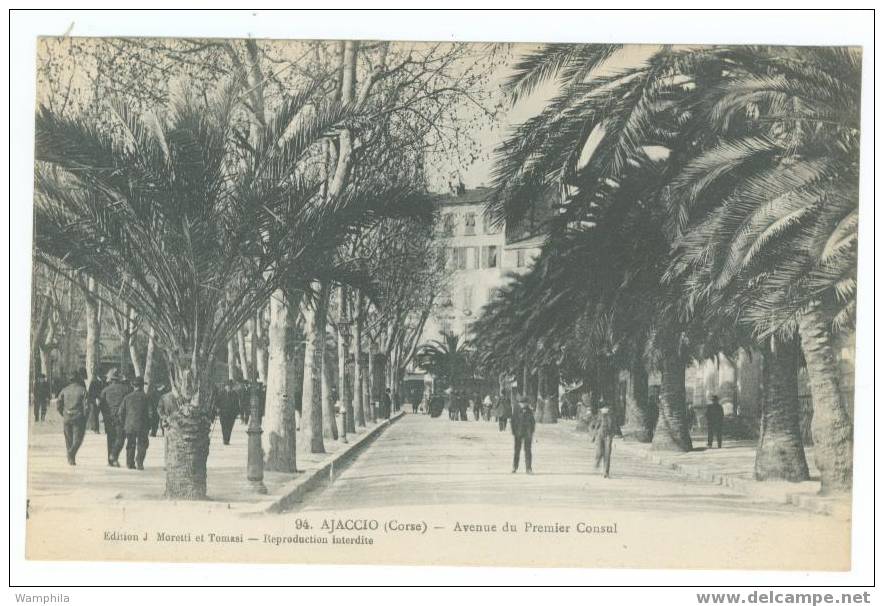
53,484
732,466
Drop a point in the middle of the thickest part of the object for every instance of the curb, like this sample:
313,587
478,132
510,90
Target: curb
295,491
839,507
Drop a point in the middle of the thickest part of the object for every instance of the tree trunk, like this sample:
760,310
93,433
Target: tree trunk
279,415
370,381
187,433
93,332
148,359
231,359
831,425
261,368
673,424
638,426
132,345
244,367
780,453
311,400
358,368
329,419
343,361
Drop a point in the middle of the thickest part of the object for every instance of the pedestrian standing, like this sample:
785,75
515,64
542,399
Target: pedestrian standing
245,401
154,395
523,433
135,422
714,421
386,404
110,400
41,397
475,405
605,429
72,407
504,411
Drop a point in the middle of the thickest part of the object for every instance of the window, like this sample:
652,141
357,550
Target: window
520,258
489,257
470,224
448,223
488,225
459,257
476,254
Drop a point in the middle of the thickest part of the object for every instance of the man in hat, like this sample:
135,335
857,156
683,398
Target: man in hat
72,407
110,400
714,421
523,433
135,423
41,397
605,430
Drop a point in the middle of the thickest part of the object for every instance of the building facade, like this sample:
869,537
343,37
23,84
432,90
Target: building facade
479,259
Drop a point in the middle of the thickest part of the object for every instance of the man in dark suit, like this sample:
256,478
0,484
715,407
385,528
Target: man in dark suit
41,397
110,400
72,407
135,422
523,433
714,421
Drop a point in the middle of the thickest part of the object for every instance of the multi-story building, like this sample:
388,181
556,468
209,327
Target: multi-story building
479,257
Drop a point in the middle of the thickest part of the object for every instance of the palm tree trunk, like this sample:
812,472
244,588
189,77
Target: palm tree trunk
279,414
358,368
638,425
187,433
831,425
780,453
132,345
673,425
311,400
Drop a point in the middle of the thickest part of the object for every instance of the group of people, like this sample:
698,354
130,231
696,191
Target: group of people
131,414
235,400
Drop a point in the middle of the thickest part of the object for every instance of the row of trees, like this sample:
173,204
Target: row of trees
706,200
198,182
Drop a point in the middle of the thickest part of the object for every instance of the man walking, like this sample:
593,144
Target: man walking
110,400
523,433
386,404
72,407
135,422
605,430
714,421
41,397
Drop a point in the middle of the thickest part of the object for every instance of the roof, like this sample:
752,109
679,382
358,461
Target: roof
469,197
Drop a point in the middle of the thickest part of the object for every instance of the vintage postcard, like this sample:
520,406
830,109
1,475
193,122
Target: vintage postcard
443,303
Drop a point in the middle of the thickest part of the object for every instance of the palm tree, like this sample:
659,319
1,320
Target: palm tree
192,228
446,359
768,218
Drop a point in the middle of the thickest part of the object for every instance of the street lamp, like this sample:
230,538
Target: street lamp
344,348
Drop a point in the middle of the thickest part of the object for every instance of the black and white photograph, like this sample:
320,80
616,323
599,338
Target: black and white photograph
458,303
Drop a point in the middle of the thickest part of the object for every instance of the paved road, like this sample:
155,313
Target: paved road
424,461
